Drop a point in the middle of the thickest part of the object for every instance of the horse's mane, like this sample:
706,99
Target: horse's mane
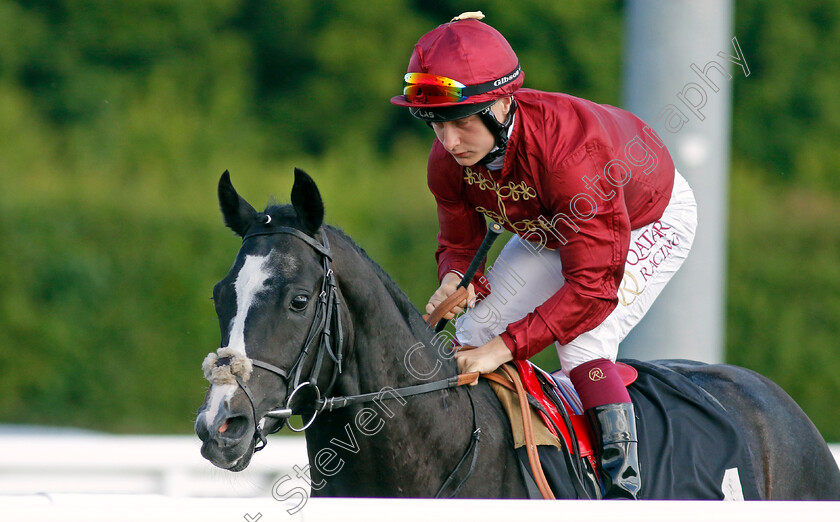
408,311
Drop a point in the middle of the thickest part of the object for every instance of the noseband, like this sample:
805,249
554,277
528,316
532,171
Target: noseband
327,321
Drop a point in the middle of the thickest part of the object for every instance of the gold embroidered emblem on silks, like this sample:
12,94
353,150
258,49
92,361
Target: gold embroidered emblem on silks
513,192
596,374
629,289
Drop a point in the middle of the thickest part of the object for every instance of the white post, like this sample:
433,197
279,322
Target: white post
680,63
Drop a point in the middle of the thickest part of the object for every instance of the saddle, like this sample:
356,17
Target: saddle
554,414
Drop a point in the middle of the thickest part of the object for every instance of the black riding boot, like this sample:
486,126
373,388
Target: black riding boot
615,432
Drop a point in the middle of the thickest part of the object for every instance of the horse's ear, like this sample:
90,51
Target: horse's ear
238,213
306,199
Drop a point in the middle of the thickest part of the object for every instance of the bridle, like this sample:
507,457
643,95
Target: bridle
327,327
327,321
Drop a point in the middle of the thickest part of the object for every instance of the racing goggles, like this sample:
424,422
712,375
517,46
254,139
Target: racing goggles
431,89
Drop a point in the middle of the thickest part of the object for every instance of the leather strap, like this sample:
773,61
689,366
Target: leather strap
468,378
530,446
269,367
446,306
258,434
334,403
498,379
268,230
472,449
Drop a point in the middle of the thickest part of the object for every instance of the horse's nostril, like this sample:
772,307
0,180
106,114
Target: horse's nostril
201,430
233,427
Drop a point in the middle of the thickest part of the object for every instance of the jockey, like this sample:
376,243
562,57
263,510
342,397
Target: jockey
601,221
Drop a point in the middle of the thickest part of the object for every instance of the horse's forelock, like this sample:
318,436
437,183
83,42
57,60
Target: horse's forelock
281,213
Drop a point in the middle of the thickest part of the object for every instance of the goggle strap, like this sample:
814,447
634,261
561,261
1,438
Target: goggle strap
481,88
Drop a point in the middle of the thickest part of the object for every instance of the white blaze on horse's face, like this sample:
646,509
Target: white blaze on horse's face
250,281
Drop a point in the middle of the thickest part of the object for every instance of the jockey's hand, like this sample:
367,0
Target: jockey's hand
447,287
485,358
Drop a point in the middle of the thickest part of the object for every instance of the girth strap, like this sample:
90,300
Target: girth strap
472,449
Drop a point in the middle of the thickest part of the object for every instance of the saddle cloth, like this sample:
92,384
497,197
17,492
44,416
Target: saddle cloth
689,446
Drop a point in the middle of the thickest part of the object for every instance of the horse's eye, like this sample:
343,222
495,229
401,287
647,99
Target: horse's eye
299,302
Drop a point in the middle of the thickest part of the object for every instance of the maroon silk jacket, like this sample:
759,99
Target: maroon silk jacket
577,178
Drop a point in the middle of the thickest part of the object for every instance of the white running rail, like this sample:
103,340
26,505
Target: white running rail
130,464
93,477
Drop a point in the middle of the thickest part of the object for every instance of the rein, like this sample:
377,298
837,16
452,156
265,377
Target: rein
328,320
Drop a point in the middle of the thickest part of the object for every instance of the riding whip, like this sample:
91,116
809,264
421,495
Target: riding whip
493,231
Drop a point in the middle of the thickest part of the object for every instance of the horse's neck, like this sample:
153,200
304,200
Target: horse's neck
427,432
391,344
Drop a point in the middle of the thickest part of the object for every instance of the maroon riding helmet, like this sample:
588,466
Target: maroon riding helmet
459,69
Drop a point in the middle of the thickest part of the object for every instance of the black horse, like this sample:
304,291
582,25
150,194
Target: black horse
305,312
